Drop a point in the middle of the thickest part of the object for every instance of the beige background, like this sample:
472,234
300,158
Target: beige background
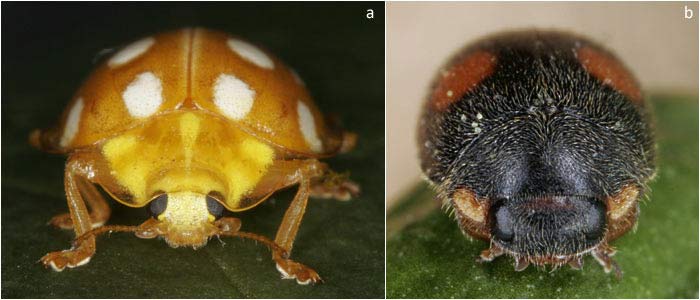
653,39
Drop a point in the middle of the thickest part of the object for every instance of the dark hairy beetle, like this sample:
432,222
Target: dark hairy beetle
540,141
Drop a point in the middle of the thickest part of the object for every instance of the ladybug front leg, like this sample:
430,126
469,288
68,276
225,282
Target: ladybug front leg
314,179
78,168
287,232
285,173
99,209
334,185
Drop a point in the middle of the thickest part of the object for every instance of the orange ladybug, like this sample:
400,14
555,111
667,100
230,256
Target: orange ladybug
189,123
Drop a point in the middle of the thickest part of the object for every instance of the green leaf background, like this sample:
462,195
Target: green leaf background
50,49
428,257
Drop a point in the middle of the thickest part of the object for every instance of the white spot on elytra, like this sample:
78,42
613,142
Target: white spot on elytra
450,93
308,127
144,95
251,53
72,122
130,52
233,97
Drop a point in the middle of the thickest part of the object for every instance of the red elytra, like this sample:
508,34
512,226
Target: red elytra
610,71
461,78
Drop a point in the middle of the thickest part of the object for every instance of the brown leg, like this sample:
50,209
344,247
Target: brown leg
99,209
490,254
292,217
46,140
77,168
286,234
334,186
303,172
603,254
285,173
314,178
349,142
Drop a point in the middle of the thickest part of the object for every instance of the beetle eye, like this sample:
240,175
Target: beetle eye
503,229
215,208
158,205
594,220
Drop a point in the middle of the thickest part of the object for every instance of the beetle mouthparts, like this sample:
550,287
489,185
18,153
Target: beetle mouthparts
187,238
553,228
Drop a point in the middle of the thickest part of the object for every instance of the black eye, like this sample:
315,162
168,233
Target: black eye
215,208
158,205
594,220
502,227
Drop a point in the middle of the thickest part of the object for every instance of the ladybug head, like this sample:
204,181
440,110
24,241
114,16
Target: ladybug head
185,218
548,227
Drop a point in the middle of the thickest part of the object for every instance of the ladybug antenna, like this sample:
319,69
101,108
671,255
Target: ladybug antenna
258,238
102,229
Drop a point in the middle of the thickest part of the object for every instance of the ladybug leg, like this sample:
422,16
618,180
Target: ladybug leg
312,177
99,209
288,231
78,168
228,224
333,185
45,140
603,254
286,173
490,254
148,229
349,142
